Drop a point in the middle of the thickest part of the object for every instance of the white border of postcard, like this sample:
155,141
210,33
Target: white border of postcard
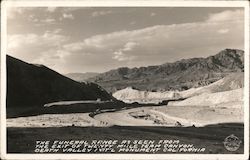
119,3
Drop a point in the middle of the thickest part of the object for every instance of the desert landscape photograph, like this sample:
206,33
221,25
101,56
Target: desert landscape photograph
125,80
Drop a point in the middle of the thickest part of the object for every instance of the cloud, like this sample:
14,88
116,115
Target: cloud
115,40
51,9
49,38
32,18
223,31
48,20
228,15
67,16
38,16
120,54
74,47
57,30
132,23
12,12
100,13
152,14
34,47
72,9
43,22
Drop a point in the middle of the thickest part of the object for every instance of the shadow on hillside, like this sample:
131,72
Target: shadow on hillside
24,111
13,112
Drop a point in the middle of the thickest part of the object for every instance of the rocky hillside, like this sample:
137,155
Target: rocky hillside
35,85
231,82
180,75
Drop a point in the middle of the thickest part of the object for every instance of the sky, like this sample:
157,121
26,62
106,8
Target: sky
87,39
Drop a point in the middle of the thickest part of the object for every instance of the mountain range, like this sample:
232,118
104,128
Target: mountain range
180,75
81,77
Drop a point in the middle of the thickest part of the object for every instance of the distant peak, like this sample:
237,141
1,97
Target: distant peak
232,50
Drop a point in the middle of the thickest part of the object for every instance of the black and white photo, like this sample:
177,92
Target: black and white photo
126,81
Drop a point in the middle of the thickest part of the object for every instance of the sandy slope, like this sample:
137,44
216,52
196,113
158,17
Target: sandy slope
202,115
54,120
231,82
172,116
214,99
127,117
